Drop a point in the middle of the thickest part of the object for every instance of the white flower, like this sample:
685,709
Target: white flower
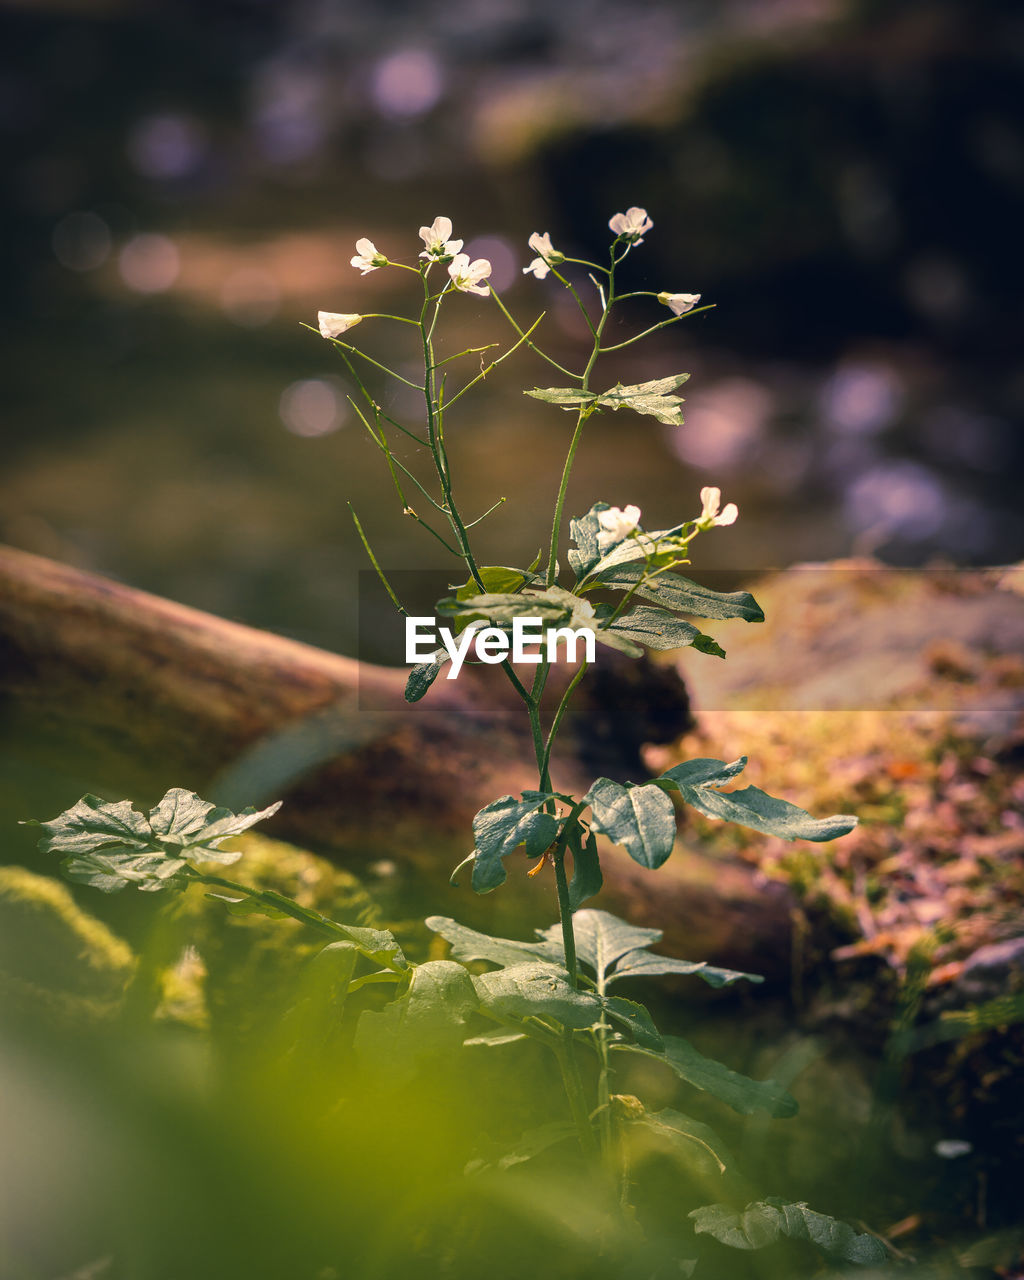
633,224
368,256
616,526
435,237
467,275
711,499
548,257
679,302
332,323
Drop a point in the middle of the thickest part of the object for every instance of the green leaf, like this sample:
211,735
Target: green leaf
426,1021
249,907
645,964
421,677
641,819
584,531
601,939
496,578
696,779
697,1145
673,591
501,827
651,398
467,944
537,991
636,1019
586,870
738,1091
764,1221
658,629
502,607
109,845
564,397
532,1143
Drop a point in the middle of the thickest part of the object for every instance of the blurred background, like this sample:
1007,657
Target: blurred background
844,179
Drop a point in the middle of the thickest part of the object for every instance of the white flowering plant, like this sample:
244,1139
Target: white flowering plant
552,990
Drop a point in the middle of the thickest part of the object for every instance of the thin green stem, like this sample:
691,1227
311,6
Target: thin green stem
565,1053
373,560
662,324
533,346
559,713
564,907
494,363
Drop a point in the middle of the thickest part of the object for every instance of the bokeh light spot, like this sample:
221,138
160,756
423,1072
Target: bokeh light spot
313,407
897,497
166,146
861,398
149,263
407,83
500,254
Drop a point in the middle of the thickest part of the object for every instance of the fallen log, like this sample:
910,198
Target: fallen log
120,692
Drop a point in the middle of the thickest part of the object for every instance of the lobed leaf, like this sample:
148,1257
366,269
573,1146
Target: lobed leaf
650,398
673,591
426,1021
641,819
659,629
696,780
765,1221
645,964
587,879
110,844
737,1091
564,397
504,824
467,944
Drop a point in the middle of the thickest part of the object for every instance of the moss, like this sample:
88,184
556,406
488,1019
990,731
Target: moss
53,952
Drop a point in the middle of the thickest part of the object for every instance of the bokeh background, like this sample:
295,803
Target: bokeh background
185,184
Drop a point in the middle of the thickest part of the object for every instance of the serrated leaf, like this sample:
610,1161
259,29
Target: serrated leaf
645,964
673,591
501,826
564,397
650,398
764,1221
467,944
659,629
738,1091
587,879
695,1144
500,608
109,845
641,819
426,1021
696,781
